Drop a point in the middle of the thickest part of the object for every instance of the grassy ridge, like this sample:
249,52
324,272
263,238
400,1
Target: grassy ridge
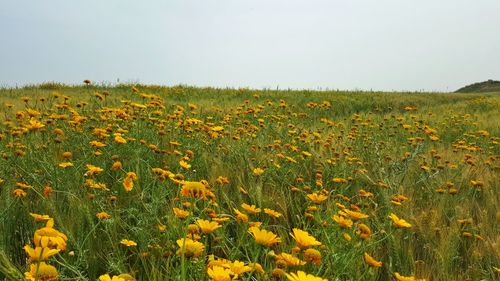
488,86
432,159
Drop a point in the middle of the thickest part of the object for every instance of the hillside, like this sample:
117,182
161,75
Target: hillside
481,87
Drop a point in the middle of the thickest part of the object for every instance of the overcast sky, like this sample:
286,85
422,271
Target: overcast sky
338,44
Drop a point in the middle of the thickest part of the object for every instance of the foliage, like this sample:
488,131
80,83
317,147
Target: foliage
183,183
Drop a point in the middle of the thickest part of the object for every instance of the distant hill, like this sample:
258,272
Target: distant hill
481,87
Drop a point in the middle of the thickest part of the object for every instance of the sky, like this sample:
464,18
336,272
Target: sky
402,45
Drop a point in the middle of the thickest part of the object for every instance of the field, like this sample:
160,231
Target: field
180,183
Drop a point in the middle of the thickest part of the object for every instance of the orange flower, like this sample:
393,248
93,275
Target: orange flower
272,213
184,164
120,140
290,260
251,209
258,171
347,237
207,227
39,253
399,223
103,216
128,243
116,166
364,232
19,193
342,221
196,190
264,237
355,215
403,278
180,213
66,164
371,261
240,216
316,198
42,271
49,237
302,276
339,180
303,239
128,182
39,218
313,256
190,248
93,170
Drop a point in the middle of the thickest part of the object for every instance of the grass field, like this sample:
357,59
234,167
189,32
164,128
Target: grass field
180,183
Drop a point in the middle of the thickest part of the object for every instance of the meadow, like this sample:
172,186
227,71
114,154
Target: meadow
136,182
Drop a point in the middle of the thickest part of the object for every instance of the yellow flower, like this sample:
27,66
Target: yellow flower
103,216
399,223
195,189
347,237
290,260
116,166
398,199
180,213
313,256
304,239
128,243
19,193
251,209
39,253
364,193
184,164
39,218
219,273
93,170
67,155
120,140
239,267
128,182
339,180
66,164
364,232
49,237
272,213
356,215
34,124
23,185
240,216
264,237
403,278
106,277
258,171
97,144
302,276
256,267
121,277
371,261
190,248
316,198
207,227
306,153
343,222
278,273
41,272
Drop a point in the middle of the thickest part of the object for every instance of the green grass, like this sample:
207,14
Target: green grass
359,137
